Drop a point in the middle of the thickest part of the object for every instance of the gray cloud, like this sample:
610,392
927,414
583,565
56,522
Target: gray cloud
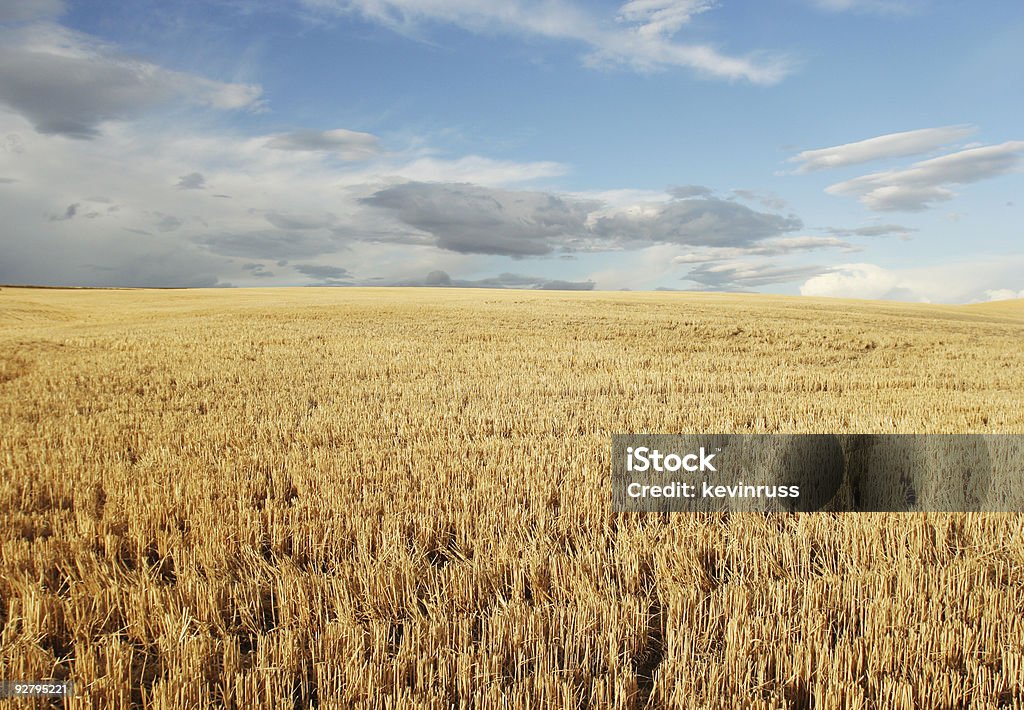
558,285
258,270
684,191
348,145
69,213
324,272
168,223
916,188
875,230
697,222
299,222
744,276
769,247
192,181
437,278
440,278
267,244
470,219
68,83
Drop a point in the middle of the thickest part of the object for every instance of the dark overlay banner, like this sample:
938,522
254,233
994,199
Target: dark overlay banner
817,472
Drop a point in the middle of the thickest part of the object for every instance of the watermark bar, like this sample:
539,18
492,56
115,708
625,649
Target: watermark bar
36,689
817,472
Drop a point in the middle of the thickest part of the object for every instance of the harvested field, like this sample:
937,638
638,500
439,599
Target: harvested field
400,498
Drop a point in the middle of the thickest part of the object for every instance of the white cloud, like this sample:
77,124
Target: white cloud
69,83
891,145
643,38
963,281
1003,294
915,188
661,17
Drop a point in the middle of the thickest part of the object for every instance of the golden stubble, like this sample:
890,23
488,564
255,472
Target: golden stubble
401,498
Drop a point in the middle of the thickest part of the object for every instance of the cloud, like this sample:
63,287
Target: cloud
643,37
471,219
695,222
768,247
962,281
439,278
345,144
268,244
258,270
23,10
1003,294
69,213
892,145
684,191
326,274
765,199
661,18
192,181
300,222
745,275
69,83
168,223
874,230
918,187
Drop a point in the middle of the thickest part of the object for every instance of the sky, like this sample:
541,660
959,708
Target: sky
849,148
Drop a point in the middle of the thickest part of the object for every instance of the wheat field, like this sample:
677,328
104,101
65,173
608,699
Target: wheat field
400,498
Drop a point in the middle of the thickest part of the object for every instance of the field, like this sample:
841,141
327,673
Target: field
400,498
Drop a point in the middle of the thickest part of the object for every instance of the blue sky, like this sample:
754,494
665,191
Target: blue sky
862,148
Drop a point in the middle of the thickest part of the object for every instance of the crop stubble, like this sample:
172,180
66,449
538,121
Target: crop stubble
400,498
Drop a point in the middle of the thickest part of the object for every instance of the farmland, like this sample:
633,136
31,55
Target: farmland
400,498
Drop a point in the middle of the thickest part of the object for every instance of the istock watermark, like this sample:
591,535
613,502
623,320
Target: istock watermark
814,472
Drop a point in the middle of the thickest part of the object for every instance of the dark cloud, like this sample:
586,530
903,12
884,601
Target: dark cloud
258,270
69,213
67,83
438,278
470,219
192,181
348,145
323,271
